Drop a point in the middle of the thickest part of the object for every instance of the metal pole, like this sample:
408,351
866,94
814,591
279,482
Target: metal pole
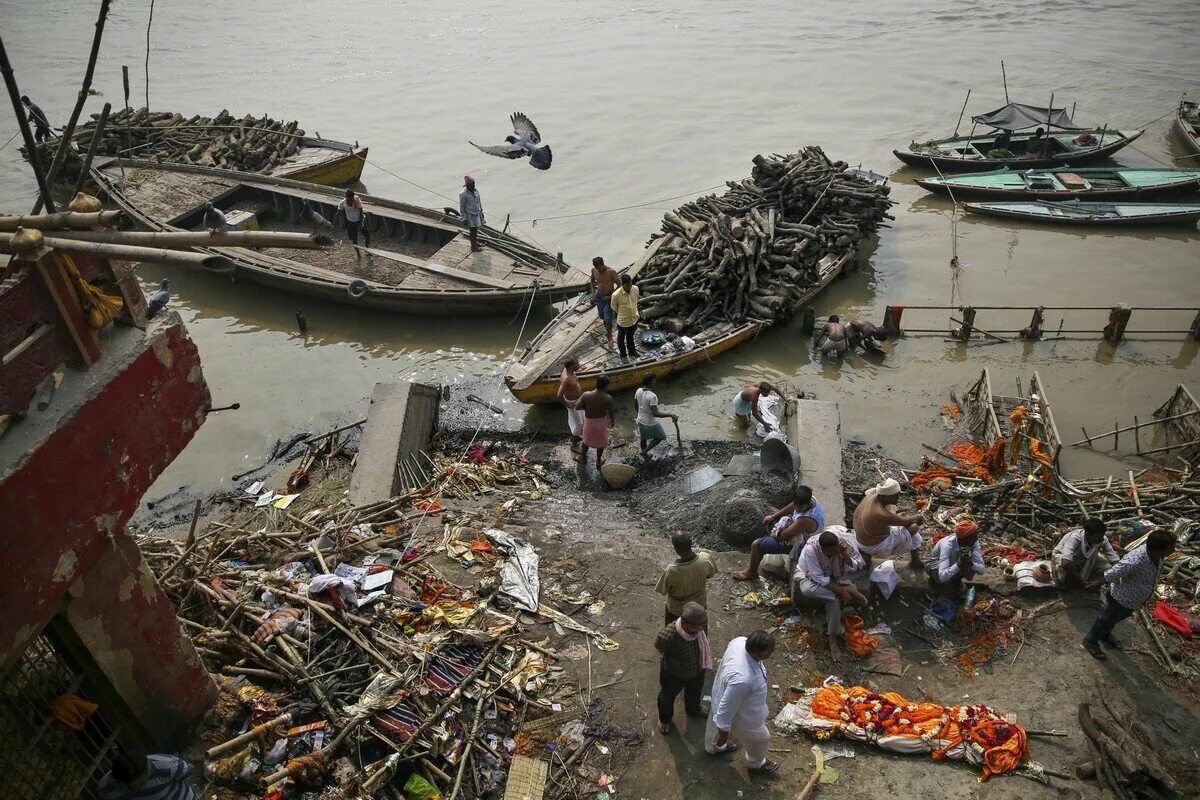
97,135
960,113
125,83
35,160
1004,77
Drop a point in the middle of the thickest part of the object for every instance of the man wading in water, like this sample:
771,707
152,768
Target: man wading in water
598,417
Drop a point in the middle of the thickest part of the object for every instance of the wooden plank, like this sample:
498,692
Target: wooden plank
440,269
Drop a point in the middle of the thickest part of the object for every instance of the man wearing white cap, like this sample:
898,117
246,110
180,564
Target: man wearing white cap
880,531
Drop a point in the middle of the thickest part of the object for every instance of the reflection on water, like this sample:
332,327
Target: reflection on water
642,103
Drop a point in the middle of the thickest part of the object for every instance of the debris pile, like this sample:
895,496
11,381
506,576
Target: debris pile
1128,759
750,253
348,664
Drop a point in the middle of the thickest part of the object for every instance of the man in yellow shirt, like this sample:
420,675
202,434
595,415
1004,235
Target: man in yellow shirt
625,305
685,579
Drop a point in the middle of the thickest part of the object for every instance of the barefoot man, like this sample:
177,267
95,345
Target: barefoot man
569,389
820,571
604,283
745,405
799,519
598,417
880,531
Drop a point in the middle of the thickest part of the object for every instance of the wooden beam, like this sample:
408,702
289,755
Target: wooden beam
440,269
181,239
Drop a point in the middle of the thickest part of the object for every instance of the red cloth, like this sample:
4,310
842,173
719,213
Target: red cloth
1168,616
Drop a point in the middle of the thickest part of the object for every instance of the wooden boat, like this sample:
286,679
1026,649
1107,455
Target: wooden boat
419,260
1004,146
323,161
578,333
1076,212
1187,125
1109,183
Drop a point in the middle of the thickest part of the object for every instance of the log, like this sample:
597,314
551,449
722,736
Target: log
61,220
129,253
181,239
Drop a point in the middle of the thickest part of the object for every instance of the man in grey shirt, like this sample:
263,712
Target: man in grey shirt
471,208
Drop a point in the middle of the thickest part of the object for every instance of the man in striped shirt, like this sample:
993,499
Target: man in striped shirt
156,777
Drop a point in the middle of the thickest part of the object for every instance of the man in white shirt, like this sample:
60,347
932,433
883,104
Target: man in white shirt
955,559
739,702
1078,555
351,208
649,428
820,569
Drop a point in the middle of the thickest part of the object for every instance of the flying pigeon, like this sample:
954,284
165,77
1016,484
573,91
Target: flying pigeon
523,143
214,219
158,300
301,322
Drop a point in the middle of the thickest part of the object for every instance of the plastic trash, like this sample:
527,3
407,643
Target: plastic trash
886,578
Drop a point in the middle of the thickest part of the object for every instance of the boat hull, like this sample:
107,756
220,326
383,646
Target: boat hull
1112,193
346,168
1035,212
945,163
1186,133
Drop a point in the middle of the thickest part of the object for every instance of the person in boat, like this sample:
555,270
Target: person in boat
570,390
470,206
685,580
880,531
867,334
1081,556
1003,141
686,656
650,430
831,339
955,559
819,574
792,524
598,417
1039,145
624,304
739,703
41,123
604,282
351,209
745,405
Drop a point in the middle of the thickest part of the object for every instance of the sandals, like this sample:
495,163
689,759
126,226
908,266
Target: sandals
769,767
728,748
664,728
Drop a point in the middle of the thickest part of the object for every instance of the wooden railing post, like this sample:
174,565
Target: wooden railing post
968,324
1194,331
891,321
1118,321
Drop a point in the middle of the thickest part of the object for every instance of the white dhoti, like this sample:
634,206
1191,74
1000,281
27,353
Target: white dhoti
575,421
899,541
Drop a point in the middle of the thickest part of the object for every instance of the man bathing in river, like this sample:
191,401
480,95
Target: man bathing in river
598,417
831,340
604,282
800,518
867,334
569,389
880,531
745,405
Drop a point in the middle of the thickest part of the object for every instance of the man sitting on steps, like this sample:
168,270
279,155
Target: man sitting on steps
880,531
800,518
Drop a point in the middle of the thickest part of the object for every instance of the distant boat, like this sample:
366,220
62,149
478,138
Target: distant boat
1187,125
1075,212
1093,183
1003,146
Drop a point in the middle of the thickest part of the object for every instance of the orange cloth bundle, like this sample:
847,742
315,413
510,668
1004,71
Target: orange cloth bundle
931,478
974,460
1003,744
858,640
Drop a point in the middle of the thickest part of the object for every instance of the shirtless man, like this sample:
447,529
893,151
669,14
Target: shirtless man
745,405
831,340
866,334
604,282
598,417
880,531
569,389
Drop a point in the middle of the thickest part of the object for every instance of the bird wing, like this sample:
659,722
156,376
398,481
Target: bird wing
541,157
523,127
502,150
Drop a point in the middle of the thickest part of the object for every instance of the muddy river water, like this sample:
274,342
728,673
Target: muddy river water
642,103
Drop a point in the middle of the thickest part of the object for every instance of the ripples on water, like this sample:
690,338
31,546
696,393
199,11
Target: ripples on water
643,102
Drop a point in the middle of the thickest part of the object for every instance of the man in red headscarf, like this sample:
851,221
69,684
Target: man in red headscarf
955,559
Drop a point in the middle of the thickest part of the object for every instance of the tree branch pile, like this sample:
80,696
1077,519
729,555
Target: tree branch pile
1127,759
750,253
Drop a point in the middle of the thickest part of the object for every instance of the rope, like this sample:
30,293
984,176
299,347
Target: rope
535,220
15,135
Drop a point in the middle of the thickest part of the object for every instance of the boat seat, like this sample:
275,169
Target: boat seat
1072,180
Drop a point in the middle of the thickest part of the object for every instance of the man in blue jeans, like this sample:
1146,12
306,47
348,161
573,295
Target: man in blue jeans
1130,584
604,283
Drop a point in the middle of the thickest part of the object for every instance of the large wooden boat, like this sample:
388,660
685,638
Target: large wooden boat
578,333
1187,126
1093,183
419,260
1075,212
1002,145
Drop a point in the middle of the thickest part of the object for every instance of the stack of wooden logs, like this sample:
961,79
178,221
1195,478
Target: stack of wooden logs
1128,760
247,144
749,254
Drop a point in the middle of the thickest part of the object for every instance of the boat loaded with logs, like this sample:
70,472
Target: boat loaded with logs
1076,212
412,259
722,270
1007,142
1063,183
1187,127
244,144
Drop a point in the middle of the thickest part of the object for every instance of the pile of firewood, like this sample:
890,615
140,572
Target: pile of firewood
247,144
1128,760
750,253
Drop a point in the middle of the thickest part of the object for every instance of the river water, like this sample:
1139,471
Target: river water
642,103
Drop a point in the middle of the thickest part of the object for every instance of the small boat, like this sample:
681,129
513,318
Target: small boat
1062,183
578,333
1062,143
415,260
1076,212
1187,125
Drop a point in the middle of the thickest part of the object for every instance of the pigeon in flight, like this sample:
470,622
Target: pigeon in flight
214,219
158,300
525,141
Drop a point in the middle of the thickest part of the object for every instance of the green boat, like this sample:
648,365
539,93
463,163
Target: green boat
1095,183
1075,212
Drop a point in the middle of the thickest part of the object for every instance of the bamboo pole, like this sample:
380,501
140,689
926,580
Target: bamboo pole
97,135
1090,439
173,239
253,733
63,219
128,252
35,160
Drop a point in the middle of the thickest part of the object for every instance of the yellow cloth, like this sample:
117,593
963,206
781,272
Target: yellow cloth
683,583
625,305
72,711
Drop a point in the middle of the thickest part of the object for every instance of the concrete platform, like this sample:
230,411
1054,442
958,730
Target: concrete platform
400,423
814,429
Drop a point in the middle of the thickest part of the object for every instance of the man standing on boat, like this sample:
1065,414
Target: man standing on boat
569,391
604,283
41,123
351,208
598,417
624,303
470,206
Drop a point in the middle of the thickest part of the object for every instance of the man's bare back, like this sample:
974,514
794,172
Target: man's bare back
606,280
568,386
834,331
872,520
596,404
